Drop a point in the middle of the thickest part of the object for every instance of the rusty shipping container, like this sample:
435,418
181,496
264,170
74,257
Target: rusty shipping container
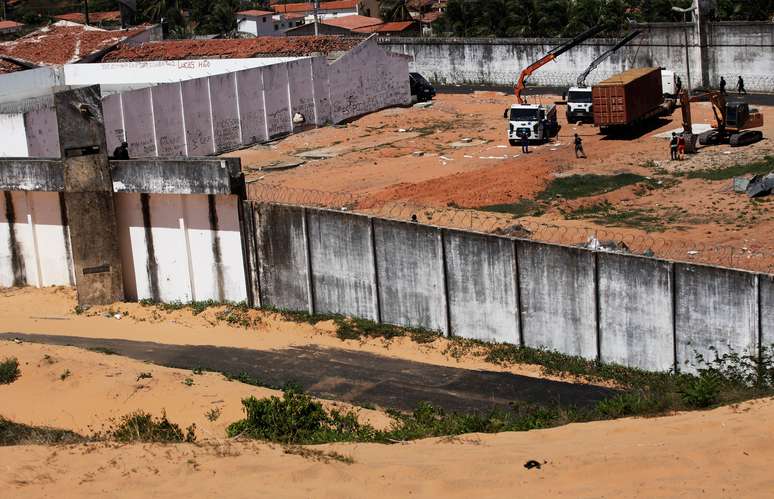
627,97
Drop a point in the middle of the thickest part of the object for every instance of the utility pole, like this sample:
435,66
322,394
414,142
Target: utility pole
86,11
316,20
685,33
4,10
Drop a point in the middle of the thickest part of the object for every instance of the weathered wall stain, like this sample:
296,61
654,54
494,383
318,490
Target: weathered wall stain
14,246
216,250
152,266
66,237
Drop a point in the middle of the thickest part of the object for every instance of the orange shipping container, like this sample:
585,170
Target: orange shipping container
626,97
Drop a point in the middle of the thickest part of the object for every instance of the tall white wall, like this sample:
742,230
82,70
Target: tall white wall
34,240
180,247
14,136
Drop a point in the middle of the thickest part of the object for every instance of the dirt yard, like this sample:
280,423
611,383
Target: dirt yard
725,452
455,155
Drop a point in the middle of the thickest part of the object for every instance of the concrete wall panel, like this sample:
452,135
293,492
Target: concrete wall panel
282,253
14,136
168,120
481,277
252,112
42,133
277,100
322,91
716,308
636,312
138,122
225,112
197,117
18,247
52,238
114,121
766,283
214,248
411,276
557,298
301,91
342,261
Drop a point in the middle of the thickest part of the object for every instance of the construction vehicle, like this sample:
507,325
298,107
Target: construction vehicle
537,121
733,121
579,105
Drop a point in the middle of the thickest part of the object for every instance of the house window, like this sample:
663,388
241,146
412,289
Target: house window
276,27
264,19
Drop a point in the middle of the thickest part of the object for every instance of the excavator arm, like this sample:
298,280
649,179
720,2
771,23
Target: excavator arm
553,54
582,77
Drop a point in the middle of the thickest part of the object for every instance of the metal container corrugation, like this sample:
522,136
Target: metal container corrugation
626,97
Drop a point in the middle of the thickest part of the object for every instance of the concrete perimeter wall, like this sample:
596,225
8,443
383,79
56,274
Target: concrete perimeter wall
222,112
725,49
635,311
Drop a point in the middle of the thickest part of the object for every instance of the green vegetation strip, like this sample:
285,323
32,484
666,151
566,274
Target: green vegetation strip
763,166
579,186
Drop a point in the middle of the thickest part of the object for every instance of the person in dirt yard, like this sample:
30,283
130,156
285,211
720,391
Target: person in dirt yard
722,86
740,86
673,146
680,146
579,147
524,143
122,151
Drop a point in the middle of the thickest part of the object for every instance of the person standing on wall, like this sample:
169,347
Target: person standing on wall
740,86
722,86
579,147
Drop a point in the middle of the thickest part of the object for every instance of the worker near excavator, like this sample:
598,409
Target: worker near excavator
673,146
740,86
722,86
681,147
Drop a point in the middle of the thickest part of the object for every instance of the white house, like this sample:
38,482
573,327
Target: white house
266,23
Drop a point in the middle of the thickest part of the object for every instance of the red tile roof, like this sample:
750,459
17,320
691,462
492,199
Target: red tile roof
275,46
94,17
309,7
10,24
9,67
388,27
352,22
64,42
255,13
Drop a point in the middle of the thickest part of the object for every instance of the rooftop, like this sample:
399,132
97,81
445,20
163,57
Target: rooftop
94,17
64,42
10,24
352,22
275,46
255,13
309,7
388,27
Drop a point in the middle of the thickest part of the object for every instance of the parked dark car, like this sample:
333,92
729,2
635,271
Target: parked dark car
422,89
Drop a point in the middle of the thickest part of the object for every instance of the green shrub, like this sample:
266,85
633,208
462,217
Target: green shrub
9,371
20,434
142,427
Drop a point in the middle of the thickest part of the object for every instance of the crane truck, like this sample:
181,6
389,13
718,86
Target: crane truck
537,121
579,105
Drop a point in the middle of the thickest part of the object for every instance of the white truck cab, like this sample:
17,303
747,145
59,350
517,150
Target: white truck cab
536,121
579,105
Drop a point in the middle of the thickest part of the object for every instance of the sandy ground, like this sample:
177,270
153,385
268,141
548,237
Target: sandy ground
434,169
51,311
721,453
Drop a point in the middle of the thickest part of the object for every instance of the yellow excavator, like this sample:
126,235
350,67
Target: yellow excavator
733,123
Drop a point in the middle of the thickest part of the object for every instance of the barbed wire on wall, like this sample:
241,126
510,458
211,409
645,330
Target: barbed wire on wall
620,240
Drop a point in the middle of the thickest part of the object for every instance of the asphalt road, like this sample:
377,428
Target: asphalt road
349,375
752,98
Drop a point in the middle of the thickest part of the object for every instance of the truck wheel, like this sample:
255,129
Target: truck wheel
513,142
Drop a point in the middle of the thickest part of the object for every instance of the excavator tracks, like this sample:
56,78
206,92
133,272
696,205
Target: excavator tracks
745,138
